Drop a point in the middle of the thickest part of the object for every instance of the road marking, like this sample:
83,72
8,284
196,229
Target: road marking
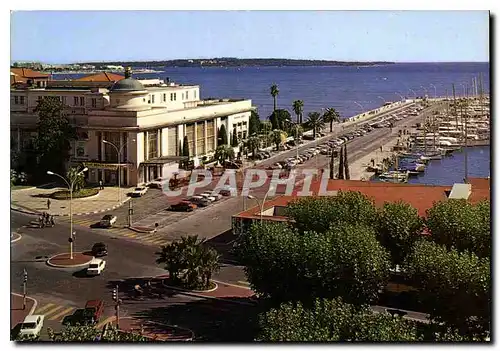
61,314
130,235
45,307
157,241
49,312
244,283
106,321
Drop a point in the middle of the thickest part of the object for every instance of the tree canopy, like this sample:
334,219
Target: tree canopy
298,109
222,136
315,122
253,123
281,119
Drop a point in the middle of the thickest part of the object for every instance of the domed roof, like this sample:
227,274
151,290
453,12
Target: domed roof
127,84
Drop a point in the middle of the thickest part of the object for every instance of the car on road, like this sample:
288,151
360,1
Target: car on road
32,325
210,196
96,266
199,201
77,318
139,191
99,250
107,221
93,311
158,183
183,206
225,190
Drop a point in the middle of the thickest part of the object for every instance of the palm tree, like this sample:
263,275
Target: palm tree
223,153
298,108
78,179
331,115
315,122
278,137
274,93
253,144
173,260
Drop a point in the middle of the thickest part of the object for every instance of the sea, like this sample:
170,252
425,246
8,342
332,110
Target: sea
350,90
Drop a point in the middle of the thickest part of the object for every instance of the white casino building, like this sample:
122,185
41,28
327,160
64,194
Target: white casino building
147,122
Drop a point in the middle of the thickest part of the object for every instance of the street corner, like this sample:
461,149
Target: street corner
227,290
155,330
19,310
15,237
63,260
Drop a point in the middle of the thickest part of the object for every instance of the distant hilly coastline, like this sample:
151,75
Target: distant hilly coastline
235,62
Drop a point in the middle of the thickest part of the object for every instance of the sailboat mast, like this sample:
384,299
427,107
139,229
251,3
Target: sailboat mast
465,120
455,106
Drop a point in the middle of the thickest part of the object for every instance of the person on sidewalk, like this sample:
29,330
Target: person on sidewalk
101,187
48,204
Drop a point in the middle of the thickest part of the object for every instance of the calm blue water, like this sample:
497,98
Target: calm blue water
450,170
323,87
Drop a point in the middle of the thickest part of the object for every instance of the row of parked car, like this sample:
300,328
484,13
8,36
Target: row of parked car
201,200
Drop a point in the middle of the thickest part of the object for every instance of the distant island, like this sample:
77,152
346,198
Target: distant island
234,62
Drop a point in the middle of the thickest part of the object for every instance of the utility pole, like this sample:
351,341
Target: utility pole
130,213
117,306
25,280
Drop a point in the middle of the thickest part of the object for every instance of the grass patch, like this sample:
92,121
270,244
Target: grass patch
18,187
64,194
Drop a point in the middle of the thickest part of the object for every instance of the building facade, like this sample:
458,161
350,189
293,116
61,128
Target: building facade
137,126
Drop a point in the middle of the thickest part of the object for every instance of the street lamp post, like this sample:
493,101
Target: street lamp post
119,154
357,103
70,187
425,89
380,97
401,96
413,91
261,205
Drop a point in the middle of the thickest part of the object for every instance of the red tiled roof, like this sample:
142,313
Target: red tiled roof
420,196
101,77
15,79
28,73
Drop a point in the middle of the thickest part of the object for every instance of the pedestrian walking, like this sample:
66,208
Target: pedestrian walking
100,185
48,204
52,221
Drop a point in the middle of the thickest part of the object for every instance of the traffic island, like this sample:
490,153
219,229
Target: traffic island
14,237
63,260
211,288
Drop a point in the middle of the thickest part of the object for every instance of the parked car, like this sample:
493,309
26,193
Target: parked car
208,196
93,311
99,250
158,183
32,325
200,201
77,318
96,266
107,221
139,191
215,195
184,206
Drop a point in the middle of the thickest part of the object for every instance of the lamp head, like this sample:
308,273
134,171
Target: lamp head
105,141
85,169
251,197
50,173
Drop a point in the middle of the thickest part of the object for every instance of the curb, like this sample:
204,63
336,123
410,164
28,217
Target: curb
21,210
71,266
17,239
192,291
35,302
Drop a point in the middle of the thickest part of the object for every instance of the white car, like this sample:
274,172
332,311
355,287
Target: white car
211,193
96,266
107,221
208,196
32,325
139,191
158,183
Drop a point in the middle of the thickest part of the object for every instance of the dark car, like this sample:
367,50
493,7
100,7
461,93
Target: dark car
200,202
99,249
183,206
77,318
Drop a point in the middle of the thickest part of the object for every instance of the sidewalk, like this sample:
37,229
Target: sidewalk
154,330
17,314
34,200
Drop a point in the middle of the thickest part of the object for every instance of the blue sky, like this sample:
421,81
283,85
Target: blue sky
401,36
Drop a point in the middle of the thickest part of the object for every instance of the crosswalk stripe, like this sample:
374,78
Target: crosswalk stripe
130,235
61,314
157,241
45,307
49,312
106,321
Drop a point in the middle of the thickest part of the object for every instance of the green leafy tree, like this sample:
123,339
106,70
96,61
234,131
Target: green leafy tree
315,122
253,144
13,177
78,179
399,227
190,262
332,165
281,119
274,93
54,136
320,213
278,138
223,153
298,108
331,115
454,286
222,137
332,320
234,139
88,333
462,225
340,174
285,265
253,123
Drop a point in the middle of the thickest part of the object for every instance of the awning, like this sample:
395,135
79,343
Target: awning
163,160
104,165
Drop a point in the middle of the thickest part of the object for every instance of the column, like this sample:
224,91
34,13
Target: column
205,136
158,143
195,144
146,147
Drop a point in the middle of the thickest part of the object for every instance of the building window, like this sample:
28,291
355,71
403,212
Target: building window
187,95
164,97
244,134
171,96
245,124
175,96
210,136
16,100
63,100
110,153
94,103
153,144
190,137
21,100
195,94
82,101
153,98
182,96
200,138
75,100
99,145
